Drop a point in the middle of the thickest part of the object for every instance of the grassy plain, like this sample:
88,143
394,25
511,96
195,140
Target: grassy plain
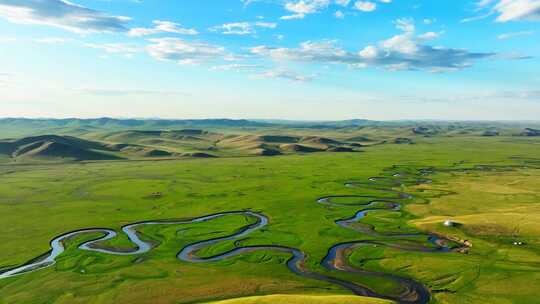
301,299
39,202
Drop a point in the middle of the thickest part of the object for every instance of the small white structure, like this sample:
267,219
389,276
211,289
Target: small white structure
449,223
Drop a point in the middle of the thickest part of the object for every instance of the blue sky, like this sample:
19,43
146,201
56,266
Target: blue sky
291,59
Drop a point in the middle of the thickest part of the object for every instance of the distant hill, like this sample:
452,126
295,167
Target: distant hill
19,127
132,139
115,123
324,124
283,144
53,147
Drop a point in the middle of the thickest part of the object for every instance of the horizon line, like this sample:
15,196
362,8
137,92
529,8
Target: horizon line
269,120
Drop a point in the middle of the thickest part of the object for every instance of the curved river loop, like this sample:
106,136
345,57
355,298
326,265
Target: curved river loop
336,259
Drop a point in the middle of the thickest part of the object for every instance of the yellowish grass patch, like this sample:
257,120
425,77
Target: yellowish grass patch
303,299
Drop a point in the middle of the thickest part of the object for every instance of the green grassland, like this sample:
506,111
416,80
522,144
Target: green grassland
299,299
39,201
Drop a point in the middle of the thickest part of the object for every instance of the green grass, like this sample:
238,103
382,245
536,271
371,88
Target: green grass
39,202
302,299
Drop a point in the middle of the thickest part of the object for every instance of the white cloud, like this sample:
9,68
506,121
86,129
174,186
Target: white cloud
284,74
61,14
308,51
343,3
369,52
302,8
270,25
429,36
162,27
514,35
236,28
508,10
365,6
405,51
292,17
402,43
184,52
339,15
405,24
243,28
236,67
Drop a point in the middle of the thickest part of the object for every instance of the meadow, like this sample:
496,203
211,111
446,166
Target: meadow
487,185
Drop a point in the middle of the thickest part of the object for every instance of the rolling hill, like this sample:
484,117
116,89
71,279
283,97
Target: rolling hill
183,143
109,139
53,147
283,144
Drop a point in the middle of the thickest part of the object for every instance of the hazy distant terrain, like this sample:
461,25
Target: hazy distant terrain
109,139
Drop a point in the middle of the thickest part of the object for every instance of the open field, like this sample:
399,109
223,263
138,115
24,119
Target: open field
297,299
496,205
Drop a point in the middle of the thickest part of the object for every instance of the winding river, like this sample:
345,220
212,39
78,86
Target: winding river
336,259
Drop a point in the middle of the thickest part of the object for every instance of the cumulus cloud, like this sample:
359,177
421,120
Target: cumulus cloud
184,52
61,14
365,6
301,8
368,6
405,51
369,52
162,27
